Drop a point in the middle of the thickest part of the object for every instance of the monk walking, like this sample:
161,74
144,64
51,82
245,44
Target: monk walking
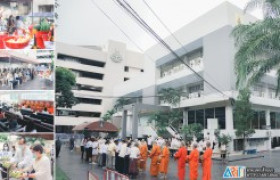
143,155
163,167
193,159
154,155
207,162
181,155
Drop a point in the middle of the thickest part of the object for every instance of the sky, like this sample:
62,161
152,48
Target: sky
81,23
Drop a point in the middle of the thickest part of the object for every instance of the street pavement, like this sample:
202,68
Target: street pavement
76,169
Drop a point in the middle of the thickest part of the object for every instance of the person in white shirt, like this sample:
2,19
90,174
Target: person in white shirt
103,153
122,153
126,159
83,144
23,156
41,166
133,162
89,150
5,153
160,141
117,159
111,154
94,146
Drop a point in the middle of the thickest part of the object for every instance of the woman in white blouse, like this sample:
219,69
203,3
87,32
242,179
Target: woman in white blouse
41,166
94,150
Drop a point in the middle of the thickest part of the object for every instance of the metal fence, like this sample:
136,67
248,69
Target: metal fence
113,175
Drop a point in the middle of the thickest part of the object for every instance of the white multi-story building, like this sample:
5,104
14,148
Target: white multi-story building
209,50
97,71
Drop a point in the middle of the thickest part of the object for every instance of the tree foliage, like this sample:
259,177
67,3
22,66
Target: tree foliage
108,115
243,115
170,95
120,103
222,139
258,45
65,80
191,131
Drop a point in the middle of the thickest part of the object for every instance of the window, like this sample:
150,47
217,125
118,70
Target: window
142,70
238,144
84,61
78,113
275,120
191,117
126,79
89,101
200,117
126,68
220,114
259,121
87,88
88,74
209,114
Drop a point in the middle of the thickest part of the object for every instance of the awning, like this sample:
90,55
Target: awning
41,14
19,56
98,126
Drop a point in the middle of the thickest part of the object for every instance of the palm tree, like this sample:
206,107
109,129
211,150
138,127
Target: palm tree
108,115
258,45
120,103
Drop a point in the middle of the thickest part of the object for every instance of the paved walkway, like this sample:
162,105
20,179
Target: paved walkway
36,84
76,169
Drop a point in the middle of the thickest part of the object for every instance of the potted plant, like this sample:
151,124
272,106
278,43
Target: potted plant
42,31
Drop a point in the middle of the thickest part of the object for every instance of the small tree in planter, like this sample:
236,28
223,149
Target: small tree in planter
243,116
222,139
192,131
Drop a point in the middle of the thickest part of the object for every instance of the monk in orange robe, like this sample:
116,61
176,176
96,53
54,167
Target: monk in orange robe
165,155
181,155
143,155
154,155
207,162
193,159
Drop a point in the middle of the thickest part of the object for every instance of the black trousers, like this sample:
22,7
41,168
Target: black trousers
57,151
82,150
104,156
126,165
117,162
121,165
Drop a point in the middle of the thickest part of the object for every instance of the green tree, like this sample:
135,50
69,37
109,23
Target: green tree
222,139
191,131
170,95
120,103
65,80
243,116
258,45
108,115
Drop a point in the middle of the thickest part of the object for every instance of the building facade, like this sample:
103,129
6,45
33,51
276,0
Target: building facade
97,71
209,50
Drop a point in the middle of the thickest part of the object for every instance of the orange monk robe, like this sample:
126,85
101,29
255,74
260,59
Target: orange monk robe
181,155
207,164
193,162
163,167
143,156
154,155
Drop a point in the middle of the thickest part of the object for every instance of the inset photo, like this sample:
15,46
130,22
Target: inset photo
27,24
26,111
26,70
26,156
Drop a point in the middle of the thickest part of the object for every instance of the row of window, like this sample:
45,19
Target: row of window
78,113
89,101
200,116
80,60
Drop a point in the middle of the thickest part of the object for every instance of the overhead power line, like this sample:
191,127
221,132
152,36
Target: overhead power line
127,8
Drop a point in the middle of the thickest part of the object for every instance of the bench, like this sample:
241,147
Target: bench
250,151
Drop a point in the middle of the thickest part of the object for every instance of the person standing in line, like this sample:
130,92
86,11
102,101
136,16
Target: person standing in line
89,149
94,151
122,154
165,155
117,159
111,154
207,162
154,155
126,159
57,147
83,144
103,153
133,161
143,155
181,155
193,159
72,143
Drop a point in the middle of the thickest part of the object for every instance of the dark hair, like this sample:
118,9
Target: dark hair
6,144
38,148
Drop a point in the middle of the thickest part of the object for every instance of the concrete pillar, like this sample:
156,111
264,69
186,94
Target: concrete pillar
229,118
185,117
134,121
268,124
124,119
